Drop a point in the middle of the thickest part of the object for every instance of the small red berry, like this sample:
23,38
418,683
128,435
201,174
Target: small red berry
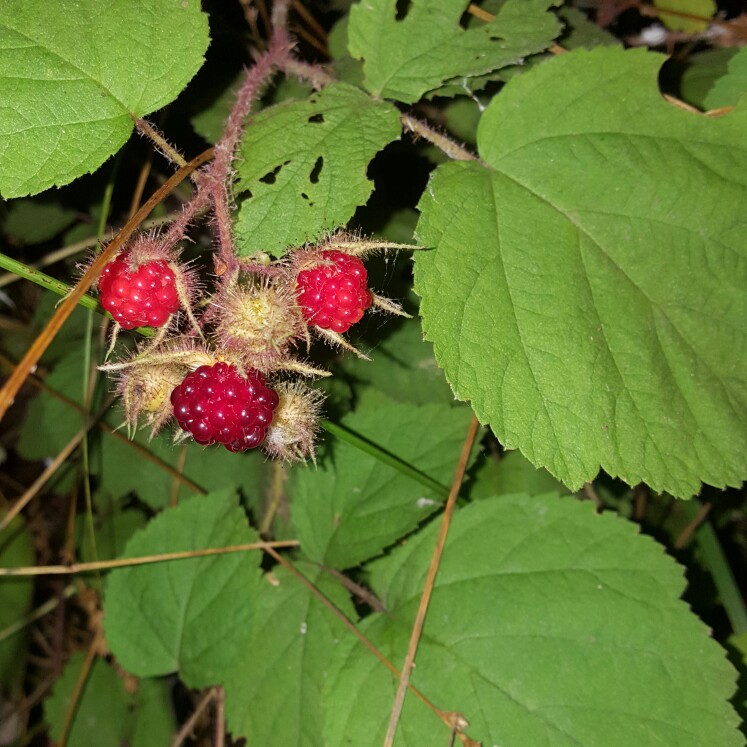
146,296
217,404
335,295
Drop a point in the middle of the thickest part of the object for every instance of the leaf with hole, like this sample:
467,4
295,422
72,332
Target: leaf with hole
302,166
192,615
548,625
590,307
405,58
728,89
77,72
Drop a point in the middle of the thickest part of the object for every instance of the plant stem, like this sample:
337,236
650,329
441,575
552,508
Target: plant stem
718,566
385,457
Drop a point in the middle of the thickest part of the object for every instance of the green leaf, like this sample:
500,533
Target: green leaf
108,710
102,709
512,473
727,90
154,715
405,59
16,549
548,625
51,423
35,221
124,470
281,671
687,15
189,616
304,165
588,305
702,71
353,506
404,369
76,71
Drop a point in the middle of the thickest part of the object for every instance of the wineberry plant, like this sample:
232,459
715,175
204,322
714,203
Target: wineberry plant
374,373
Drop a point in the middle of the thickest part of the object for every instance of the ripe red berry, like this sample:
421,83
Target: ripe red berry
334,296
217,404
146,296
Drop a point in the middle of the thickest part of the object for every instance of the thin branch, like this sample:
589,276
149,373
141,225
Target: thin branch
417,628
68,251
160,142
444,144
77,693
104,426
105,565
43,478
33,354
316,75
220,719
686,534
38,613
186,730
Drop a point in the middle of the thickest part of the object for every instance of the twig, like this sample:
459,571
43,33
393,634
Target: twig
686,534
360,591
276,495
220,719
160,142
186,729
68,251
41,481
105,565
417,628
80,684
42,342
38,613
314,74
443,143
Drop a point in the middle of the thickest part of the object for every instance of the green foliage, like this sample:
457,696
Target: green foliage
189,616
582,286
542,618
546,297
108,710
702,71
303,166
281,671
405,59
686,15
512,473
76,81
353,506
34,221
16,549
405,369
728,89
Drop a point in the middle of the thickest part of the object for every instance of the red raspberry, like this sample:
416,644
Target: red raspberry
334,296
216,403
147,296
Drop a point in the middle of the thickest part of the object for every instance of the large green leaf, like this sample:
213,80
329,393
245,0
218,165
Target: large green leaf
353,506
589,305
16,594
302,166
280,673
76,71
548,625
192,615
404,59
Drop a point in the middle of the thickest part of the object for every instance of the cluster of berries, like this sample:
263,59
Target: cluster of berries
225,379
